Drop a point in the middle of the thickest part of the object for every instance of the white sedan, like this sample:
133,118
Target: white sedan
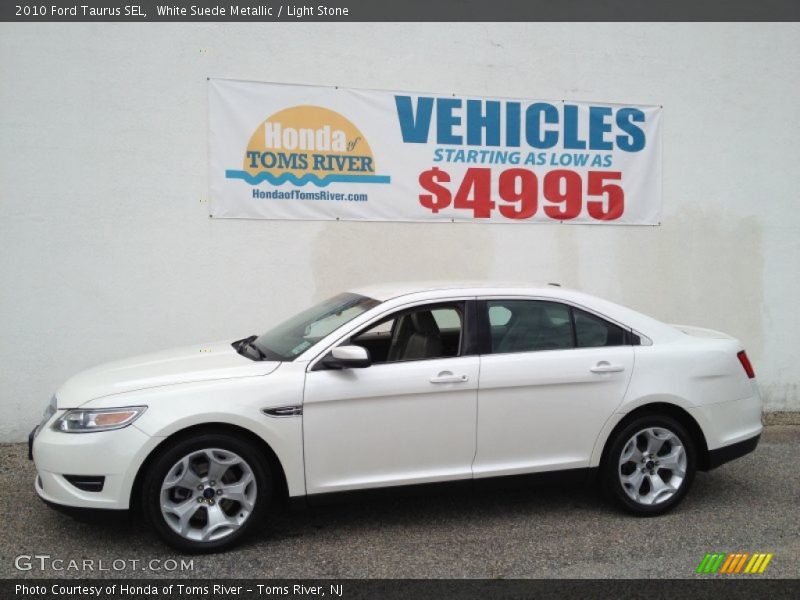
400,385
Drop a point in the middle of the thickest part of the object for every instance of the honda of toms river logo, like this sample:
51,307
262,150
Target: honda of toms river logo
734,563
307,144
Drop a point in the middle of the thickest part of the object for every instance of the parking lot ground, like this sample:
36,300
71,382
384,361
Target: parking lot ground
749,505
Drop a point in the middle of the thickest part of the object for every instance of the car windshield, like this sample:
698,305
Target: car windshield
294,336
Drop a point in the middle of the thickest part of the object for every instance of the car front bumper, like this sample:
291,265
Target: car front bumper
114,456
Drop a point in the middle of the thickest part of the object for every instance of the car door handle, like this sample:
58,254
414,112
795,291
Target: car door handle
448,377
606,367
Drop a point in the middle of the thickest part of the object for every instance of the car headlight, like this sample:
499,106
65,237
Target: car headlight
101,419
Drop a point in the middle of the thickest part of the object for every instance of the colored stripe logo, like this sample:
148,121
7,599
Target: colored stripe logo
734,563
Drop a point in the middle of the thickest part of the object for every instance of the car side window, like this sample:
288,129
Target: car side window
424,332
592,331
531,325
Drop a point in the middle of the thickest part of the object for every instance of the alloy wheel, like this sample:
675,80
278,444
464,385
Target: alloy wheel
652,466
208,494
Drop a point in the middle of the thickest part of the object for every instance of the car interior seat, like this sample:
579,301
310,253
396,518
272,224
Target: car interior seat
522,332
415,336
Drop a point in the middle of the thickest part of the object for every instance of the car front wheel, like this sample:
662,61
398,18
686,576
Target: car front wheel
205,493
650,465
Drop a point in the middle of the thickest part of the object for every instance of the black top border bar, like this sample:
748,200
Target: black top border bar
142,11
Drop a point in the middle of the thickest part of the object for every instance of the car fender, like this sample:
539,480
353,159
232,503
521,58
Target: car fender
627,407
240,403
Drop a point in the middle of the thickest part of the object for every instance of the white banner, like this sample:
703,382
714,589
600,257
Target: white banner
303,152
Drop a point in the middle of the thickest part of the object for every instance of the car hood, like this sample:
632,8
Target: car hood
169,367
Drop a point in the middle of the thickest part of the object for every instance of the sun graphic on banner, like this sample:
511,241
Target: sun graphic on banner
307,144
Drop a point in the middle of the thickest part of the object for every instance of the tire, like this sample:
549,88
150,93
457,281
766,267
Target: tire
206,492
649,466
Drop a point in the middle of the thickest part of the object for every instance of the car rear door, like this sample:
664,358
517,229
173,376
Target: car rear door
551,375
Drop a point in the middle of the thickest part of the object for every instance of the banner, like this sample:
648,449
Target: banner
317,153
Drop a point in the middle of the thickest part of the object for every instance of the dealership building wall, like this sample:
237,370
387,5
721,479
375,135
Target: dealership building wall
108,250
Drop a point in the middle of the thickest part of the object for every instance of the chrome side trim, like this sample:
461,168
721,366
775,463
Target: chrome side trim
283,411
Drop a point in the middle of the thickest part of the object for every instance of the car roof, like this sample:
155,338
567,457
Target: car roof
387,291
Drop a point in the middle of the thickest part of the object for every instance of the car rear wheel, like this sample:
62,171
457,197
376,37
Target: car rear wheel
650,465
206,493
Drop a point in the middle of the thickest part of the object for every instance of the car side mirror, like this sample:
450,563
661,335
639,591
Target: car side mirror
348,357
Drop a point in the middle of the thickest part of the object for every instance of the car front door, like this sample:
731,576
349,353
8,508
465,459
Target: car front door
551,375
409,417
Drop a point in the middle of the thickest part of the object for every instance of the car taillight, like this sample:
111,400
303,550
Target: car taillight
748,368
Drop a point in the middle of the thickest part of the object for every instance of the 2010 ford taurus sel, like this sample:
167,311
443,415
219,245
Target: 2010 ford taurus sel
395,386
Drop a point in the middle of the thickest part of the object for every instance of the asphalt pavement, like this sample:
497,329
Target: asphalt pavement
749,505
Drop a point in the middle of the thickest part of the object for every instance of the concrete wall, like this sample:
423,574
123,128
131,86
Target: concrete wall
107,249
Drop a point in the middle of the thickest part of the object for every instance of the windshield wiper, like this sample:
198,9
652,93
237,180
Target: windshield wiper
247,348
